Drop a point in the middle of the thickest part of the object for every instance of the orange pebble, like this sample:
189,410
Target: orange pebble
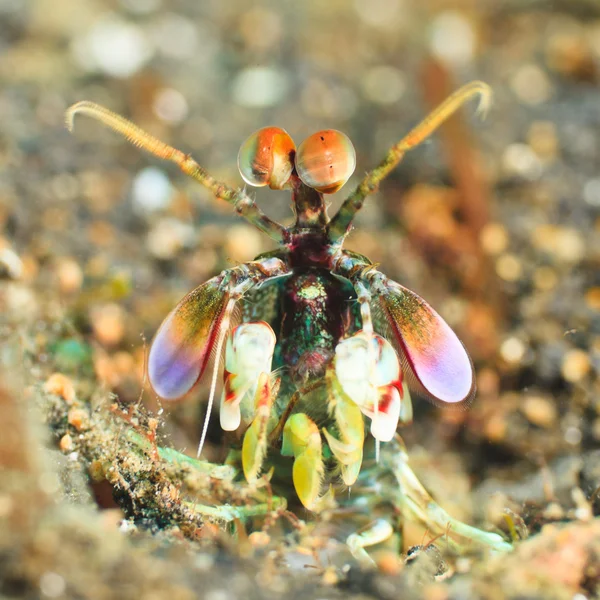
66,443
78,418
62,386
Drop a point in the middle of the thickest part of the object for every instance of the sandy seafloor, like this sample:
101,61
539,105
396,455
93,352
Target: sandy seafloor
495,222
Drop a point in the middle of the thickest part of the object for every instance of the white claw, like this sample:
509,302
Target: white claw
249,353
371,378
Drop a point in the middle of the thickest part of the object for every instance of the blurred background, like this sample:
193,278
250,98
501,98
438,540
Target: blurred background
494,222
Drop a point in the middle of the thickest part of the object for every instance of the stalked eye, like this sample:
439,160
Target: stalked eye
267,158
326,160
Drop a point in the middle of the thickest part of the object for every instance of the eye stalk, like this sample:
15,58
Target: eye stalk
267,158
326,160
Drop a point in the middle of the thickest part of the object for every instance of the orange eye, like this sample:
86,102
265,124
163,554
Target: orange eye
325,160
267,158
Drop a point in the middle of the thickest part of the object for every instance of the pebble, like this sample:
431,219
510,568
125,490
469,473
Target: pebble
178,38
383,14
569,54
261,28
152,190
70,276
575,365
60,385
564,243
540,411
592,298
520,160
512,350
384,84
545,278
170,105
113,46
52,585
66,443
531,84
494,238
11,266
259,87
542,139
591,192
108,323
243,243
78,418
141,7
452,38
508,267
573,435
168,237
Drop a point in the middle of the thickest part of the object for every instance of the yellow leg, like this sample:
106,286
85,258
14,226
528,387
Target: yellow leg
348,446
254,447
302,440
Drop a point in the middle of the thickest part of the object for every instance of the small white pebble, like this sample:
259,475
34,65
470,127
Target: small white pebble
177,37
170,105
204,562
591,192
512,350
113,46
259,87
384,84
531,84
380,13
141,7
168,237
10,264
217,595
52,585
573,435
452,38
152,190
520,159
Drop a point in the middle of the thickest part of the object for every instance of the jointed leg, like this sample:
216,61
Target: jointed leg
417,506
341,222
347,440
377,532
243,204
302,440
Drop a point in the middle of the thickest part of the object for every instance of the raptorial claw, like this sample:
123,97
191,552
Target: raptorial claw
249,353
368,371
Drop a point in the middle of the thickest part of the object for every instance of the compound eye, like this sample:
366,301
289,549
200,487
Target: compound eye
326,160
267,158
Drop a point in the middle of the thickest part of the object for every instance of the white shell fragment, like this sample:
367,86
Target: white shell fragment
249,353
